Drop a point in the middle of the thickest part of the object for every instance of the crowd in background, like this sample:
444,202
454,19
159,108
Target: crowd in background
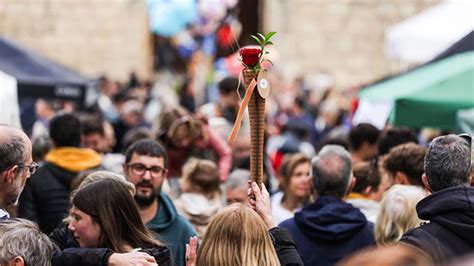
146,168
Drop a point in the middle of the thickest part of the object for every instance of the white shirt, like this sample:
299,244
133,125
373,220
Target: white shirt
4,215
279,213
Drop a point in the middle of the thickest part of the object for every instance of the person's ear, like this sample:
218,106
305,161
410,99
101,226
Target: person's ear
124,168
424,178
401,178
17,261
352,183
11,174
367,190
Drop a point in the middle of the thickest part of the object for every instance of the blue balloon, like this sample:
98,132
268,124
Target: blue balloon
168,17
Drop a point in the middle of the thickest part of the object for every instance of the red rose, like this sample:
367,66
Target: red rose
250,56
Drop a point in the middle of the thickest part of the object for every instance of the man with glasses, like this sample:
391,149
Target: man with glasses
16,166
145,166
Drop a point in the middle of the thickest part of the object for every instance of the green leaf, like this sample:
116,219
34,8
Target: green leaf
269,35
256,39
267,52
262,37
268,43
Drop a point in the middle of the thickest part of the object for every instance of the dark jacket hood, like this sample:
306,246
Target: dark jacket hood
452,208
166,215
330,218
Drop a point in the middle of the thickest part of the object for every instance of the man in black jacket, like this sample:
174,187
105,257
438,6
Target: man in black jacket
45,199
450,209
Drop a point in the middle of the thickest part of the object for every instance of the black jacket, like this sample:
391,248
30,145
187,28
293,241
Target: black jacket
71,254
450,231
328,230
45,199
285,247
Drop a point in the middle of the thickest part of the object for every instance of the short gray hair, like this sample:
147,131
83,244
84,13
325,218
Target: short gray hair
448,162
20,237
238,179
332,171
13,149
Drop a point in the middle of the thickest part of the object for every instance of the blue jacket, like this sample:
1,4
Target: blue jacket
173,229
328,230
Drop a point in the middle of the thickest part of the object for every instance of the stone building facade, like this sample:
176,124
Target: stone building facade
94,37
340,38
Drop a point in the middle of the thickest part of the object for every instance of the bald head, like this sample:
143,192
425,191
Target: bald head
7,132
332,171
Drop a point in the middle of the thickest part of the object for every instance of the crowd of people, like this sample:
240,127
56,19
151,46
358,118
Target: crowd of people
138,179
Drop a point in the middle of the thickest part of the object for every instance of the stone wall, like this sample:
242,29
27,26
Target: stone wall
341,38
94,37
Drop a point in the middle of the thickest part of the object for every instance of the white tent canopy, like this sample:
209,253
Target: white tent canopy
422,37
9,108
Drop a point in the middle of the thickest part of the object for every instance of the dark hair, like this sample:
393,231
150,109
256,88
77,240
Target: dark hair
147,147
135,135
448,162
394,137
65,130
341,141
367,174
406,158
332,171
362,133
229,85
92,124
42,144
116,212
12,151
300,101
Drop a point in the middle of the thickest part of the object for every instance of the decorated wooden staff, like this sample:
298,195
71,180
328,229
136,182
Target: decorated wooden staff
254,75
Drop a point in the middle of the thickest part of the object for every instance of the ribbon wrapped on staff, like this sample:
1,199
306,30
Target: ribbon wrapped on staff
254,76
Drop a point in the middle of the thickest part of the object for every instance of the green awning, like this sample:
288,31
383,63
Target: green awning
429,96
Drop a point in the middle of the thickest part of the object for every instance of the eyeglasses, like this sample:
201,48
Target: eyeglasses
140,169
31,168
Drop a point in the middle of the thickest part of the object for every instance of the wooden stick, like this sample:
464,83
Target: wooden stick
257,131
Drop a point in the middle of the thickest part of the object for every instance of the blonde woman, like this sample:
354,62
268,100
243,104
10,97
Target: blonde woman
238,235
397,213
